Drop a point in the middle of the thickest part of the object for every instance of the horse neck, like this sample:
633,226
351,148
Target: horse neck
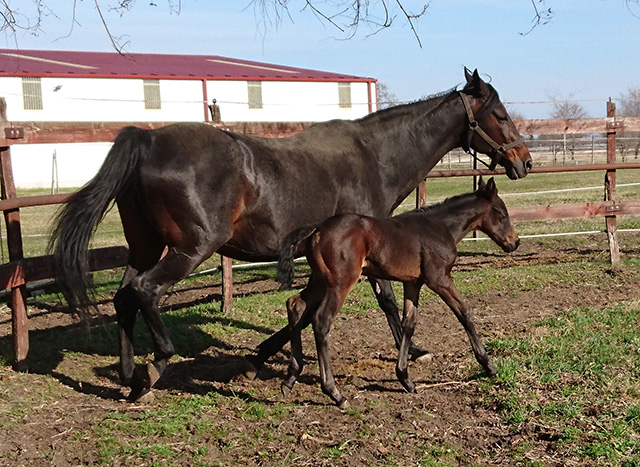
460,215
409,141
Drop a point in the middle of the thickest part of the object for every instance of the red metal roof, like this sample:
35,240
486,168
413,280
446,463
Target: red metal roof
114,65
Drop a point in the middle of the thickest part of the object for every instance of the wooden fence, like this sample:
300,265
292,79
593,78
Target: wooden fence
19,271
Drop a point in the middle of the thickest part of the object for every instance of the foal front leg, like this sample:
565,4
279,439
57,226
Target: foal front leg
447,290
409,319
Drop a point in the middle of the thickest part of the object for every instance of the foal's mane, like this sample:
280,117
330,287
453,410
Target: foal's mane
449,203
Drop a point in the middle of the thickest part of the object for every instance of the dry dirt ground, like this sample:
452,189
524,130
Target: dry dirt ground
386,427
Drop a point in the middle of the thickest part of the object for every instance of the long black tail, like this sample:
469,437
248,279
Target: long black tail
77,220
287,253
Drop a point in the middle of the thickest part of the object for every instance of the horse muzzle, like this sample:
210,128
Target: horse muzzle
511,245
517,162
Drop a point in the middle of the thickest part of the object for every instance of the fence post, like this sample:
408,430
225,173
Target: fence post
19,321
421,194
227,284
610,185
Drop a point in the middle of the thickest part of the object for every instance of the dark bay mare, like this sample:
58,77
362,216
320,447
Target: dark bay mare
418,247
199,190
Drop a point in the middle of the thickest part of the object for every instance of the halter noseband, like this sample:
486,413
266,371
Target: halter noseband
498,150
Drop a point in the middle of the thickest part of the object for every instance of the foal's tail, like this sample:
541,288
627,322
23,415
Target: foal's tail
287,253
76,222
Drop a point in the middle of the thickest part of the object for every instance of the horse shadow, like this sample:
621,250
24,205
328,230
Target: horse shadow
203,361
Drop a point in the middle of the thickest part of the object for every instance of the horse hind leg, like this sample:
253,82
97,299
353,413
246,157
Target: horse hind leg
145,250
409,319
387,302
148,288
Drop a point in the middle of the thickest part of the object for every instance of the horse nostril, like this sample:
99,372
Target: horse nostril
528,165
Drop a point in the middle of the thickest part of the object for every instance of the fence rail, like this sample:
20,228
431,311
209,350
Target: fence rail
19,271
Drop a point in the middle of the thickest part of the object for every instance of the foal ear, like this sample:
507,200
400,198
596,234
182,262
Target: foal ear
491,189
487,190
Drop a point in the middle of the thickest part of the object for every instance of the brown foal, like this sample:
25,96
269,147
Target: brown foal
416,248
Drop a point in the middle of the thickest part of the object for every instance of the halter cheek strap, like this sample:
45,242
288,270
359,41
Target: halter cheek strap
498,150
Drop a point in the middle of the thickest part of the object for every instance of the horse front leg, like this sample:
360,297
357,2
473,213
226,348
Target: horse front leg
386,300
409,319
447,290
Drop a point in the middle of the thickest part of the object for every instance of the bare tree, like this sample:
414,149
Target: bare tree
385,97
630,103
567,109
347,16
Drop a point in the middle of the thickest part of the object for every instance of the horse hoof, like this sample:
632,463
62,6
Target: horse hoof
286,390
249,370
344,404
424,358
416,353
146,397
152,374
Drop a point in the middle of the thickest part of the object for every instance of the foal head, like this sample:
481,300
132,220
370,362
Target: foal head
496,222
488,115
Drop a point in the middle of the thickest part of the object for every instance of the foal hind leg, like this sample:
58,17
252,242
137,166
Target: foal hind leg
300,309
447,290
386,300
409,319
322,321
147,288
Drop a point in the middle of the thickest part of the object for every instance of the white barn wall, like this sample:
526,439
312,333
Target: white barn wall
113,99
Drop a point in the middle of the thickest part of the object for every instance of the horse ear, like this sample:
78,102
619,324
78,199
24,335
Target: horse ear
475,85
468,75
492,190
481,183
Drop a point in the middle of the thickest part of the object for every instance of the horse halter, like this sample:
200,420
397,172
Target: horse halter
498,150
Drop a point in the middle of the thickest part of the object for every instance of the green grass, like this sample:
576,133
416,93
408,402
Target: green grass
574,378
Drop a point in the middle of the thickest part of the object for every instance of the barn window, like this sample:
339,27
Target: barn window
31,93
344,95
152,99
254,89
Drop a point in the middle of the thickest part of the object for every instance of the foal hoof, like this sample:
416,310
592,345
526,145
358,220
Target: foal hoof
408,386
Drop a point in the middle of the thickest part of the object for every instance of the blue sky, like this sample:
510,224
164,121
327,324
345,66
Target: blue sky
590,51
